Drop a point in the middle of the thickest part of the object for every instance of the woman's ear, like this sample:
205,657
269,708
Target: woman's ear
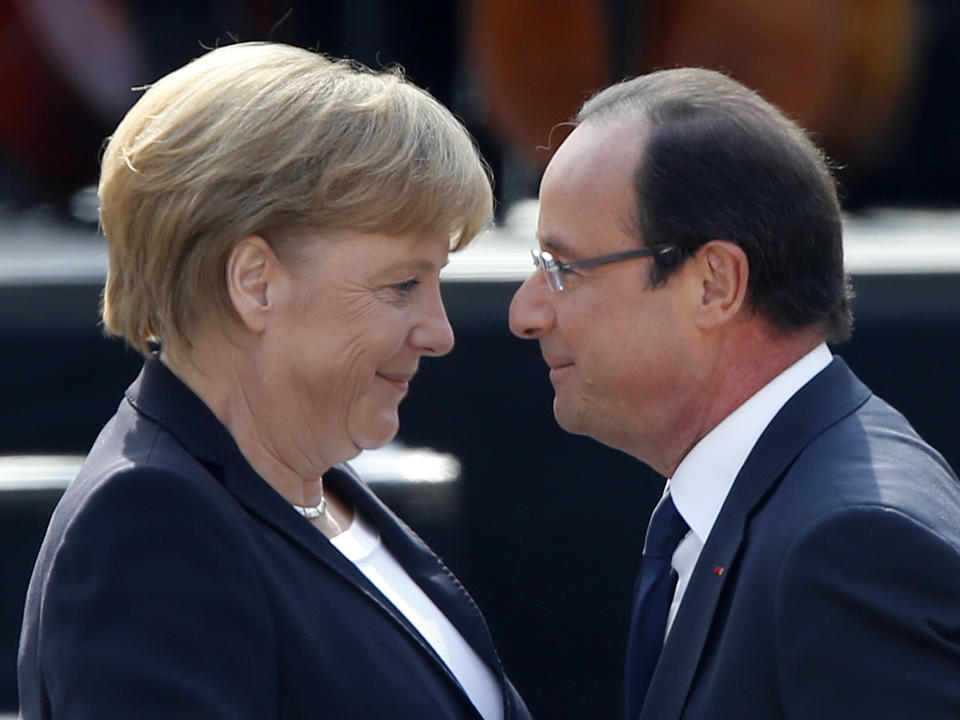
724,274
253,270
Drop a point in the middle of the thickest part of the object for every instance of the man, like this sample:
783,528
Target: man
691,274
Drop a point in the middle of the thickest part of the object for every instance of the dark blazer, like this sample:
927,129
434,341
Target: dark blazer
175,583
829,586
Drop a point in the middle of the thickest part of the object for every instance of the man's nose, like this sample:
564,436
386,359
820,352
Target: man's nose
531,314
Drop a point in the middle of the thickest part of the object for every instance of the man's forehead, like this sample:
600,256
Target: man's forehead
588,196
598,151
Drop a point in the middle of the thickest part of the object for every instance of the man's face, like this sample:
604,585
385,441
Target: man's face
617,349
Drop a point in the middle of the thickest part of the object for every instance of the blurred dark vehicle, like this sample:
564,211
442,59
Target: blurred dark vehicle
546,528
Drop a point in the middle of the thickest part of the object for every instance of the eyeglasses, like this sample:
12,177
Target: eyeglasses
554,270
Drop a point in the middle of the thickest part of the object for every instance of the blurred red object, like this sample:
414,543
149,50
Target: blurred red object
66,71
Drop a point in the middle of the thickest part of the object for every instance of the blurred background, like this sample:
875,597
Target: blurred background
545,529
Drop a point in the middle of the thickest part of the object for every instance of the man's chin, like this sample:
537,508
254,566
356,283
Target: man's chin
568,420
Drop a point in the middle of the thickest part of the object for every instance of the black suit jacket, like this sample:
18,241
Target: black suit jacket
175,583
829,586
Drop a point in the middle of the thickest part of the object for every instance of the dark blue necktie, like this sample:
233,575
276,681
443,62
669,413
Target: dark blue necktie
652,596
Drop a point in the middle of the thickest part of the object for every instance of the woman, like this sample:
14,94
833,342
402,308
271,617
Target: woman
276,225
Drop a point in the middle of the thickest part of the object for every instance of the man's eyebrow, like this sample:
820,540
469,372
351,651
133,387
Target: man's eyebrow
555,246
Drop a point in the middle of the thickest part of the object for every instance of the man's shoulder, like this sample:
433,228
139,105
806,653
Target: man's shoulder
875,445
872,458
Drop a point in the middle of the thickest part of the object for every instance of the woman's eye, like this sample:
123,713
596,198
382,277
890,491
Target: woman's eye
407,285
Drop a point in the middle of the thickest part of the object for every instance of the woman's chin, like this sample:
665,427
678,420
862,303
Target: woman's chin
377,432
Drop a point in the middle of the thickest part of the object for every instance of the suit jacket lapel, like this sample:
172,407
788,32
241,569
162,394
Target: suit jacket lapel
160,395
426,569
830,396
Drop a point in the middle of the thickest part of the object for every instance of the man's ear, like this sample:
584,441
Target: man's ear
724,273
253,271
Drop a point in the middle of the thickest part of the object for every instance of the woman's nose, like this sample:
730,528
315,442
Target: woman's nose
433,335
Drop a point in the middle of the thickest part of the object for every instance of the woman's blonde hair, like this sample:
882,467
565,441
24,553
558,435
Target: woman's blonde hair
269,139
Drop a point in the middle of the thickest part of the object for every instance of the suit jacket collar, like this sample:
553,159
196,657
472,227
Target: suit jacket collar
158,394
829,397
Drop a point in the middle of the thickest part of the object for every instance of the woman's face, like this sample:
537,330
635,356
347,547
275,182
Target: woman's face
354,314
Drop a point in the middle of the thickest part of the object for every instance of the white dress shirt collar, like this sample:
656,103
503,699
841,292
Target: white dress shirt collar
704,477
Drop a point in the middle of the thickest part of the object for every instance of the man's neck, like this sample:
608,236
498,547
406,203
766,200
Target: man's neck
743,365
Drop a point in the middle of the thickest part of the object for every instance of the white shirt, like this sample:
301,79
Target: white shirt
702,481
360,544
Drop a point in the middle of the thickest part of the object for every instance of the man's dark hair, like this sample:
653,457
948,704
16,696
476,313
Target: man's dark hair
720,162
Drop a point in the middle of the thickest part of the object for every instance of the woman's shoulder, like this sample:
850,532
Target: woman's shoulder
137,479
